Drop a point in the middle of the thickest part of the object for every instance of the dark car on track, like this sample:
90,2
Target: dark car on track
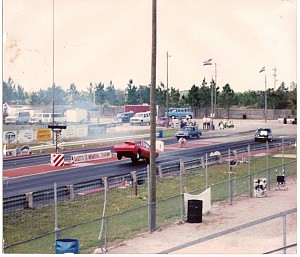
263,134
188,132
135,150
124,117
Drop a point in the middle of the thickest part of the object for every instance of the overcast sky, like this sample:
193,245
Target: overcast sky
110,40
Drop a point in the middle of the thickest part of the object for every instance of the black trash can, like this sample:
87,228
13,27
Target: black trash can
67,245
284,120
244,116
195,211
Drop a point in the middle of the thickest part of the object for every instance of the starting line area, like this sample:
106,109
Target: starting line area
190,144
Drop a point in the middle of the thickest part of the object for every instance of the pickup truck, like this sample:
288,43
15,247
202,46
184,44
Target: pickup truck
188,132
140,118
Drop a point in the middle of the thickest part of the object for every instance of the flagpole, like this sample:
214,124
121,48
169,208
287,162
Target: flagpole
209,62
265,98
215,103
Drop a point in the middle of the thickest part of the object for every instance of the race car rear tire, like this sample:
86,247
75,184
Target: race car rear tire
135,158
119,156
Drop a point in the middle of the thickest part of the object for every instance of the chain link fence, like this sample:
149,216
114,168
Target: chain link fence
97,213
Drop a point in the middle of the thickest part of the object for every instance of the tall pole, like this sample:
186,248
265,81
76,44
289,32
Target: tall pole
265,98
167,93
215,103
53,83
275,78
212,103
152,182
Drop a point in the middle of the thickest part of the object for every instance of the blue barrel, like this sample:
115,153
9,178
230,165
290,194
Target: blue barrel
160,133
66,246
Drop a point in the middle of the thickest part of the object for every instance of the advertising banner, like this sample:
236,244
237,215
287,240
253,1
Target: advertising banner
98,155
25,136
43,134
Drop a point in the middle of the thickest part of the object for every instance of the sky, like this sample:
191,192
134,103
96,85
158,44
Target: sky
111,40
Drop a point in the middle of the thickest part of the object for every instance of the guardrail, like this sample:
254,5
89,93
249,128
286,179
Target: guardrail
44,196
83,143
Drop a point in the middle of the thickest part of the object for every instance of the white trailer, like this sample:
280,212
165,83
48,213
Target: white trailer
76,115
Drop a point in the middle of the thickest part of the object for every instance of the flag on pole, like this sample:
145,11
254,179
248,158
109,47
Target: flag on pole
262,69
208,62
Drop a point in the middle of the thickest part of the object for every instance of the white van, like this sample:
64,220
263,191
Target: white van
18,118
47,118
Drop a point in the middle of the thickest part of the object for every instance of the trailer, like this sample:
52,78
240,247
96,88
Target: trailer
137,108
76,115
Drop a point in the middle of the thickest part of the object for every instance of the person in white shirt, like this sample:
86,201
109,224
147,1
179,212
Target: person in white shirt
204,122
182,141
208,123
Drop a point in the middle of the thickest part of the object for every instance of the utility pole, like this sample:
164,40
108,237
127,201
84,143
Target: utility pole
275,78
215,103
167,94
212,102
53,83
152,177
265,98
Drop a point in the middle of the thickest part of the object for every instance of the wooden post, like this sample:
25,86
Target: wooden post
134,181
29,200
160,171
71,192
202,162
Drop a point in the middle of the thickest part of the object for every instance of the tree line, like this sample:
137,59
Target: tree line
199,96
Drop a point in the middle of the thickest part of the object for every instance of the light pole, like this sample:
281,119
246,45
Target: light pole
263,69
167,94
266,99
53,83
215,103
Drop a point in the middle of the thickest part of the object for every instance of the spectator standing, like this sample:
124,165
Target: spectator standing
204,122
208,123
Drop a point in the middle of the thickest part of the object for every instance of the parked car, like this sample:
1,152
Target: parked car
135,150
124,117
18,118
188,132
263,134
162,121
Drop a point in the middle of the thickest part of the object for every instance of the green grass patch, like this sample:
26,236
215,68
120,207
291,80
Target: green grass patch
28,224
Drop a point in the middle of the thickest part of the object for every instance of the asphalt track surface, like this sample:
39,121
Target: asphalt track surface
45,173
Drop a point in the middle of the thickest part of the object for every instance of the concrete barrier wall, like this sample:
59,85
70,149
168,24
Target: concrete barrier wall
259,114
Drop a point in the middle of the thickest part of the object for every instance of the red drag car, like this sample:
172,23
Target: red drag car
135,150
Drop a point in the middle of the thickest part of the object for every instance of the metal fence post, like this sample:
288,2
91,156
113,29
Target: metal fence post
106,232
249,171
229,179
268,170
284,232
282,151
206,173
104,208
149,203
55,213
181,192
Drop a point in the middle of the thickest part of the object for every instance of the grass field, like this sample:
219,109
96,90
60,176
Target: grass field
31,223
